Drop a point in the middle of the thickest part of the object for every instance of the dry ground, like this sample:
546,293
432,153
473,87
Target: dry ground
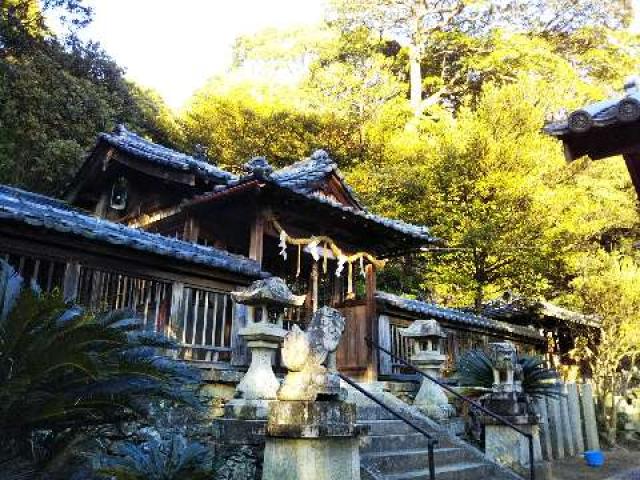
620,464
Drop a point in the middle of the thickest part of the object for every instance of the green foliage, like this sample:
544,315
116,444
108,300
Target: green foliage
64,372
56,96
607,286
475,166
474,369
173,459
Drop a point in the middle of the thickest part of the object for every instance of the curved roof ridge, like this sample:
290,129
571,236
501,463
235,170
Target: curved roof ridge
138,146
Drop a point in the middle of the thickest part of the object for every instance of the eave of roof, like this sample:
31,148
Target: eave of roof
415,232
602,114
44,212
456,316
137,146
524,308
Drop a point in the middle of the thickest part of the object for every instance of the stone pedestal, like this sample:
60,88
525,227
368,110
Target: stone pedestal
431,398
511,449
311,441
260,383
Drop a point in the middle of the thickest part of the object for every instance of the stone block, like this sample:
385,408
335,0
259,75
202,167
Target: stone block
307,419
575,417
309,440
324,458
569,446
239,432
510,448
592,442
555,428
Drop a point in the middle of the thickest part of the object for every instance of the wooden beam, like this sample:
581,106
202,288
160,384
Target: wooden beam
372,322
632,159
191,230
256,242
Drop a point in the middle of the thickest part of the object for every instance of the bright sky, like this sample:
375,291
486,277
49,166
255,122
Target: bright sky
175,46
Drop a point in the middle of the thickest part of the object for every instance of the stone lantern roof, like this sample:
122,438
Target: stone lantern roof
423,329
270,292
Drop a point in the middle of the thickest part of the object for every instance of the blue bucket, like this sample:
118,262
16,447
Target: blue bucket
594,458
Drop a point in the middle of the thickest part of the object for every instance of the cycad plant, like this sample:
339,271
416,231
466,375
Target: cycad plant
64,372
173,459
474,369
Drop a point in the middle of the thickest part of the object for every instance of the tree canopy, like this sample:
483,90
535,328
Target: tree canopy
468,159
56,94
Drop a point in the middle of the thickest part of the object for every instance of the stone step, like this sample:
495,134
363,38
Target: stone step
365,413
418,459
458,471
399,442
387,427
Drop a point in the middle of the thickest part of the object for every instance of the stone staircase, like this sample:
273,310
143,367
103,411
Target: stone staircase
392,450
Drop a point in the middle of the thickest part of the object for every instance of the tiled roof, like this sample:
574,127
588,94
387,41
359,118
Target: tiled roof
302,178
521,307
621,109
417,231
44,212
452,315
307,175
137,146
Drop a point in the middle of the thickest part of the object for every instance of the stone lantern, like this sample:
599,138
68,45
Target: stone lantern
428,336
506,399
267,300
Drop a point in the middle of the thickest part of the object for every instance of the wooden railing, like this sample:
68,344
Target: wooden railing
202,320
402,348
206,325
47,273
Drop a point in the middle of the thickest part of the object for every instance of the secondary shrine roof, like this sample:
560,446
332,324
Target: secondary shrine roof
300,183
455,316
137,146
50,214
521,308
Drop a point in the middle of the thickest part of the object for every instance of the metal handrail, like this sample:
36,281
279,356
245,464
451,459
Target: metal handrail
431,442
495,416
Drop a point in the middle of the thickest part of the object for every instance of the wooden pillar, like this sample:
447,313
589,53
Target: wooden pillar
371,374
71,281
191,230
632,159
314,286
257,238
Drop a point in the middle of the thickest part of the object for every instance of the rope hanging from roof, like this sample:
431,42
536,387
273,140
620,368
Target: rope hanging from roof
313,243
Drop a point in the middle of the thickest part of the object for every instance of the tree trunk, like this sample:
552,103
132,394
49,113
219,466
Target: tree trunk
479,296
415,80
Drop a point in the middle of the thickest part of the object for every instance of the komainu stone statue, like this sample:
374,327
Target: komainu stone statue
305,353
506,370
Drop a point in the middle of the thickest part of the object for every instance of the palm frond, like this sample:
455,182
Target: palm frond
474,369
64,370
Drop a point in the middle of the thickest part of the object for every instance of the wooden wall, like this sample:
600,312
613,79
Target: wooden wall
353,353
